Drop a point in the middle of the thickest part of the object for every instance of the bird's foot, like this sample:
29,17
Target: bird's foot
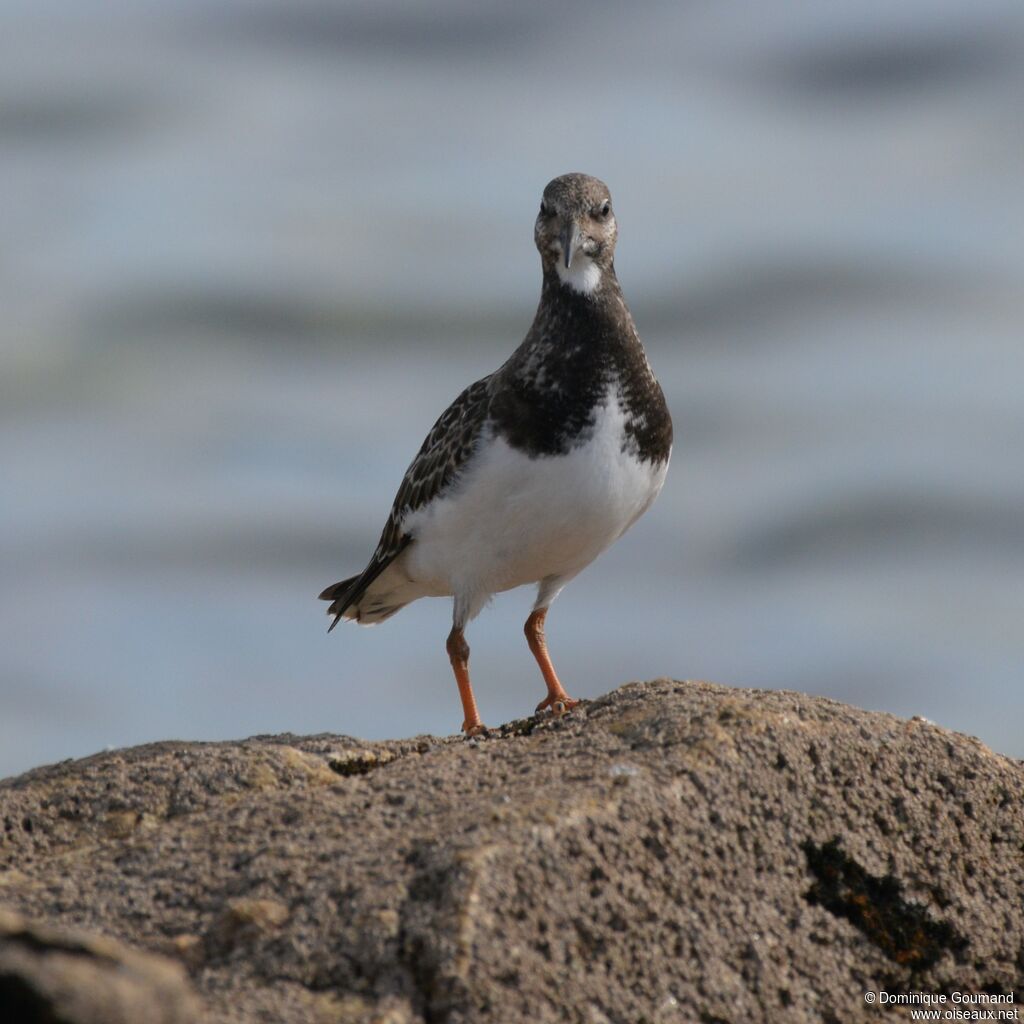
557,703
474,729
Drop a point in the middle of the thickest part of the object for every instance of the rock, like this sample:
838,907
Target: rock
672,852
51,975
244,922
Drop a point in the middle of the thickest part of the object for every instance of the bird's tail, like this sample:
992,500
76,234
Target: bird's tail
338,595
353,599
350,601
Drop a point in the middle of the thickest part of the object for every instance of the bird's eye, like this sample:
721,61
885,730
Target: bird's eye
604,209
543,208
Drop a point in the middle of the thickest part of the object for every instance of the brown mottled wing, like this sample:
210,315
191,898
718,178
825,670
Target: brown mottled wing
448,446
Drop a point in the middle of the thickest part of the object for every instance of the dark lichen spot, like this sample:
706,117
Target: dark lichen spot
520,727
361,763
876,906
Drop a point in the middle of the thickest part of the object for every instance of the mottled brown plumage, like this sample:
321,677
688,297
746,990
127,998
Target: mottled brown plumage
447,447
536,468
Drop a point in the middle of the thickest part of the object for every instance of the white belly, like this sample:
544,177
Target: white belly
513,520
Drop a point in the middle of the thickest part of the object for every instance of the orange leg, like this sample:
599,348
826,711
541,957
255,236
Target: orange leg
557,699
458,651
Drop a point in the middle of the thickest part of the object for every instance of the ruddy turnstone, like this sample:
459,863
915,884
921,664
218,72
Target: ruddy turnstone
536,469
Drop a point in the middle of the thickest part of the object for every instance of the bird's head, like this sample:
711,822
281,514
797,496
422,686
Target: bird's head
576,231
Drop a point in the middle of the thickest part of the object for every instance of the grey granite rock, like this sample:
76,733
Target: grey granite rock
672,852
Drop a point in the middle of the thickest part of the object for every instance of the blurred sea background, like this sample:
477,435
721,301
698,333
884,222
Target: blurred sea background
249,251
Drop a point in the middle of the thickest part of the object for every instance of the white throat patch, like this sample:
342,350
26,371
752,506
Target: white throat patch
583,276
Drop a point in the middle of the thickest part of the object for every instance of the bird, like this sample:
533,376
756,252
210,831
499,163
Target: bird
537,468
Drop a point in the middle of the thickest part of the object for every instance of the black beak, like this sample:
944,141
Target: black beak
570,239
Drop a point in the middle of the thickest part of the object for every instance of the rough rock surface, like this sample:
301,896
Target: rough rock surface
52,975
672,852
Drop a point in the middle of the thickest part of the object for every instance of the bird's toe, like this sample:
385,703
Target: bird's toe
557,705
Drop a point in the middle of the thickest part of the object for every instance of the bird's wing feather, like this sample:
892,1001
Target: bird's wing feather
447,448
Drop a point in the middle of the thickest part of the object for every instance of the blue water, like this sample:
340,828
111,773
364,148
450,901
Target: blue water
249,252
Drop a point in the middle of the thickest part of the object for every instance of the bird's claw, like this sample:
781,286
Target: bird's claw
472,731
557,705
